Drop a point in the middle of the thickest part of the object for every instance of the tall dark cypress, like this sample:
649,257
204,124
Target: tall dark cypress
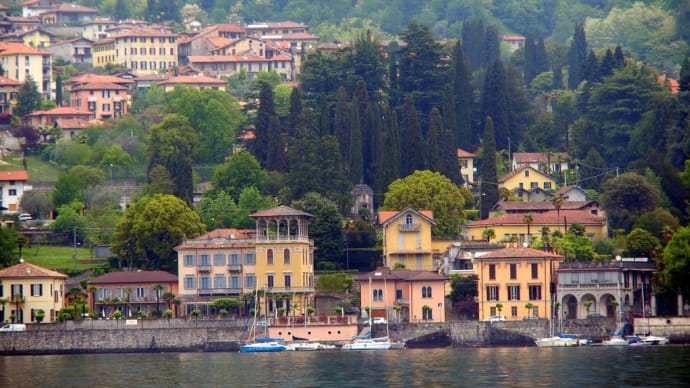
607,64
434,141
261,124
355,161
541,58
276,158
412,146
577,54
366,137
495,103
530,57
324,119
489,177
388,155
341,122
448,145
473,42
590,69
463,98
618,58
295,111
492,45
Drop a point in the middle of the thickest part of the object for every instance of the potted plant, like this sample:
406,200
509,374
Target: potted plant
426,312
223,313
310,310
40,316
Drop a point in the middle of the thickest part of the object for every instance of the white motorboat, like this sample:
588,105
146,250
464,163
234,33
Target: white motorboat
308,346
367,344
556,341
651,340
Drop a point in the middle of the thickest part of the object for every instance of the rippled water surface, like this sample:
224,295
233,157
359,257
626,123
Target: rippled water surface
470,367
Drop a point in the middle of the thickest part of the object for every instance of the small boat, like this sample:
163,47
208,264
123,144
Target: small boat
560,340
618,340
257,347
308,346
367,344
651,340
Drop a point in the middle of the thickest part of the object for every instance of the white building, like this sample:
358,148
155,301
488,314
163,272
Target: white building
13,184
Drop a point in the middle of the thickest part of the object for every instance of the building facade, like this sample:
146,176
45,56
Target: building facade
9,91
21,61
407,239
466,164
132,293
526,177
27,289
513,277
143,51
13,184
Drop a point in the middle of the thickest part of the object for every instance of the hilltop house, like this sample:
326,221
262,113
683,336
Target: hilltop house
13,184
466,163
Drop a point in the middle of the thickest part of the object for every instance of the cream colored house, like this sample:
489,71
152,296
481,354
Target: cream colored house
143,51
20,61
526,177
466,163
27,288
407,239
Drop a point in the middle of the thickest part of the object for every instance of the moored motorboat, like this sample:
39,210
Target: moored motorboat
258,347
367,344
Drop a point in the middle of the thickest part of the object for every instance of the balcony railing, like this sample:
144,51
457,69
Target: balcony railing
408,227
235,267
204,268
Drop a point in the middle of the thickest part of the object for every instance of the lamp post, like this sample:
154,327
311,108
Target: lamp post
21,240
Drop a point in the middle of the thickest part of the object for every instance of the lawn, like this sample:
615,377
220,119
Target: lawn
39,170
61,257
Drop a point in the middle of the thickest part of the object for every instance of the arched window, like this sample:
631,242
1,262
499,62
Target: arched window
269,257
426,292
409,220
286,256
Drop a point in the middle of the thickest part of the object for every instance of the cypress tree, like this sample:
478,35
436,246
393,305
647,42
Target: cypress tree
541,58
365,124
448,145
472,42
495,103
58,90
489,184
388,155
590,69
529,51
577,54
520,107
462,83
607,64
341,122
492,45
295,112
266,110
434,140
324,119
275,158
557,76
412,147
618,58
355,162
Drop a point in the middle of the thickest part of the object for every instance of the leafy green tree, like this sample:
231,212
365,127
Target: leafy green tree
251,201
242,170
37,203
28,99
676,262
641,243
8,247
334,283
426,190
626,197
152,228
574,247
70,186
324,228
216,211
173,144
489,182
463,287
68,222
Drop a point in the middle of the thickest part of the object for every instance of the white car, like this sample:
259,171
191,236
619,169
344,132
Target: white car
495,318
379,321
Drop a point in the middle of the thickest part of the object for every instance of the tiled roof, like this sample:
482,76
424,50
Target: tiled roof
77,123
89,77
280,211
549,218
192,79
59,111
509,38
465,154
135,277
539,157
27,270
14,176
218,41
386,216
285,24
226,58
75,8
295,36
13,48
399,274
4,81
99,86
543,206
518,252
138,32
228,233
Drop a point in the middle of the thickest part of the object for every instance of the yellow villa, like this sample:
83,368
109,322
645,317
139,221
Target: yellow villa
515,278
526,177
407,239
27,289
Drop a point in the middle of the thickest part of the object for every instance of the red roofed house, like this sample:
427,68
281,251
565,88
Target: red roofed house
466,163
208,39
545,162
511,277
407,239
228,65
194,81
13,184
70,120
105,97
132,292
28,289
19,60
515,42
419,294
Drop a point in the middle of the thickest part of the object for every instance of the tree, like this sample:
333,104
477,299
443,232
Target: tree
495,103
28,99
173,144
489,182
576,56
158,288
240,171
626,197
528,219
426,190
8,247
69,222
36,203
324,228
463,287
641,243
676,262
411,139
152,228
260,144
529,307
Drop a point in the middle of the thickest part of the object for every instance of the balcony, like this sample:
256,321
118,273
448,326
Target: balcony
408,227
235,267
204,268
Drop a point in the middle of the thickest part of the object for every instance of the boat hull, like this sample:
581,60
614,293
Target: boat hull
367,345
556,342
262,347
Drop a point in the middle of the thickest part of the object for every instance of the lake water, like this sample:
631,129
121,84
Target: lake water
468,367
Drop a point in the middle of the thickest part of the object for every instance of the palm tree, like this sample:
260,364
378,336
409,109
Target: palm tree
557,202
128,291
18,300
488,234
499,307
529,307
615,305
587,304
528,219
169,297
157,288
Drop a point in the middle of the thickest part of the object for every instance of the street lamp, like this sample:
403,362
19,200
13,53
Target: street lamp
111,173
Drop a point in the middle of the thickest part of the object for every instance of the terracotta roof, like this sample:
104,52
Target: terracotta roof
543,206
27,270
75,8
519,252
135,277
280,211
226,58
400,274
294,36
192,79
13,48
228,233
14,175
386,216
509,38
99,86
285,24
72,123
59,111
549,218
227,28
538,157
89,77
4,81
219,41
465,154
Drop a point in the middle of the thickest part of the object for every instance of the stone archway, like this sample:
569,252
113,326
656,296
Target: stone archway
569,306
606,302
584,301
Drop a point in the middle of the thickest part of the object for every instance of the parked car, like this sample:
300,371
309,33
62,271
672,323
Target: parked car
530,318
595,316
495,318
13,327
25,217
379,321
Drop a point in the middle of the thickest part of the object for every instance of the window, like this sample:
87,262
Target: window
398,294
492,310
378,294
462,163
426,292
521,185
37,290
106,107
12,192
205,259
418,262
513,271
189,282
427,314
492,293
152,51
288,280
92,105
235,259
526,172
142,65
235,281
492,271
514,292
219,281
134,51
17,289
269,280
535,270
188,260
219,259
513,311
534,292
249,259
269,257
286,256
547,185
105,93
409,220
205,282
534,185
141,291
250,281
